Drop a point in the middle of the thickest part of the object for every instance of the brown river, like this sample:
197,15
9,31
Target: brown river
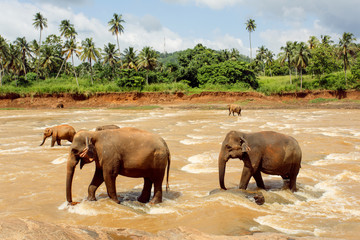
325,205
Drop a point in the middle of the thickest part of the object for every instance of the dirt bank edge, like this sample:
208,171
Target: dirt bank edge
249,100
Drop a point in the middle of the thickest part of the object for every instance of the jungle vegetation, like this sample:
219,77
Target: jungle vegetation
48,65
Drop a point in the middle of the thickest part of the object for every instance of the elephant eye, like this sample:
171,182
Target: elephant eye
75,151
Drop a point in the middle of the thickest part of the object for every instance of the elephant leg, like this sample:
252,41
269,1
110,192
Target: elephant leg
146,192
245,177
97,180
111,186
53,140
293,176
157,198
259,180
58,142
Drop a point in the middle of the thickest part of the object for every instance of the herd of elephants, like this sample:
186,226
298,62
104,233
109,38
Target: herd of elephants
137,153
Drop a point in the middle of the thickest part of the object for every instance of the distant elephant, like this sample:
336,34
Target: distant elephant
128,152
58,133
233,108
105,127
60,105
268,152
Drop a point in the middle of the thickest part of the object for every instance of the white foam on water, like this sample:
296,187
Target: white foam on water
18,150
82,208
60,160
202,163
338,158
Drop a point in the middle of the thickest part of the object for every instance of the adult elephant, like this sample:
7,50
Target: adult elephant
233,108
58,133
268,152
128,152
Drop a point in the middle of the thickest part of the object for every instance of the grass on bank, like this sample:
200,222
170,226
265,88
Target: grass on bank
267,85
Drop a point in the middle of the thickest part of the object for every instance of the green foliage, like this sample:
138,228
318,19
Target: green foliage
228,73
323,100
31,76
133,82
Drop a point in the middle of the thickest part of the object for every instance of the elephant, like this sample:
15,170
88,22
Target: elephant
233,108
126,151
58,133
60,105
268,152
105,127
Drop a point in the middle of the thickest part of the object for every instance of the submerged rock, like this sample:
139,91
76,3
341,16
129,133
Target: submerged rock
255,196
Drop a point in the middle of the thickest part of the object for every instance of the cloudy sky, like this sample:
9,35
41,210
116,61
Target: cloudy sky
173,25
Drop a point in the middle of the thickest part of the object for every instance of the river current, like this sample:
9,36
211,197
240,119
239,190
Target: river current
326,204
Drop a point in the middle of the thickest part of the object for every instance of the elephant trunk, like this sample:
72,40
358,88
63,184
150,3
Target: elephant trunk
45,137
71,164
222,165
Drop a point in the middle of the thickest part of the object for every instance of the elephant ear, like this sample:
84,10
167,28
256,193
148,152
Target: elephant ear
91,148
244,145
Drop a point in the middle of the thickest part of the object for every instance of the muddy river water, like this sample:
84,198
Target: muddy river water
326,204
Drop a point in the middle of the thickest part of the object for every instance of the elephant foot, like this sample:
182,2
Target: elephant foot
73,203
155,201
91,198
143,199
259,199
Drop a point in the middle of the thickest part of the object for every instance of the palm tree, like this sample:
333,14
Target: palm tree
110,56
116,27
250,26
347,47
67,30
326,40
49,58
90,53
14,62
25,50
287,55
261,54
4,54
269,56
147,59
301,58
70,48
313,42
130,58
39,23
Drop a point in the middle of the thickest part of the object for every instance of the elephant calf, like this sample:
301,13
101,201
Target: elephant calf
233,108
268,152
128,152
58,133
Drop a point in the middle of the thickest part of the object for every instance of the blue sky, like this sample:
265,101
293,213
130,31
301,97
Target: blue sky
181,24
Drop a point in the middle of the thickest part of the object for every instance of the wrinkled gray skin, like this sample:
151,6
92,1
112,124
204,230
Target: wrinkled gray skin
268,152
58,133
233,108
128,152
105,127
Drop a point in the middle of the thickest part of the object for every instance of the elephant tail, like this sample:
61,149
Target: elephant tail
167,173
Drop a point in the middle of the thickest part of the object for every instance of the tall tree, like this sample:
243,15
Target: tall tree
326,40
67,30
39,23
110,56
250,27
90,52
301,58
25,50
116,27
147,59
71,48
261,54
287,55
130,58
346,48
4,54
